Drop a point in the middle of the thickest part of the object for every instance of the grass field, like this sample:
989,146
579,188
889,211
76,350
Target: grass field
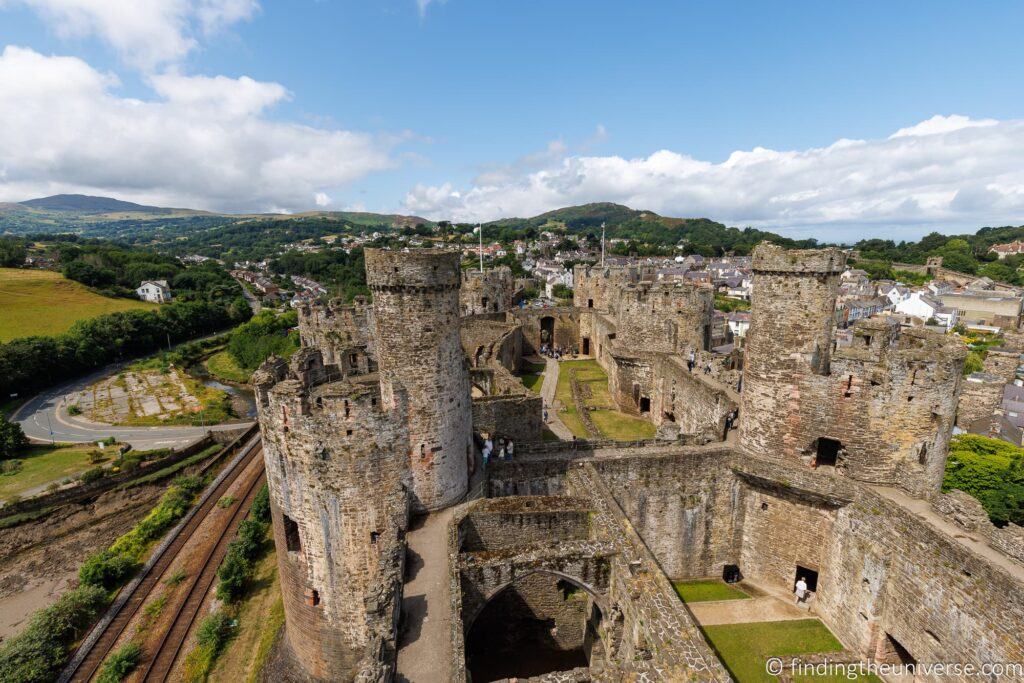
707,590
41,465
609,421
533,376
744,648
223,367
41,302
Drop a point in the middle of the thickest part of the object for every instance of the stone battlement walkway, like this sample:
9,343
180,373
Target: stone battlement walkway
424,641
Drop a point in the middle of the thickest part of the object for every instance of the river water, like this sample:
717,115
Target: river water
243,400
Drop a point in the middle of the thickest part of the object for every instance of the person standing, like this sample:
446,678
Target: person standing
801,590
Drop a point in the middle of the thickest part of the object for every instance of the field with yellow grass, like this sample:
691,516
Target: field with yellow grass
34,302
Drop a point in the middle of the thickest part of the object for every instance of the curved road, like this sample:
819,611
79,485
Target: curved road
44,418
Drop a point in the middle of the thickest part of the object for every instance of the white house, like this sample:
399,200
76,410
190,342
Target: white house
155,291
895,294
924,306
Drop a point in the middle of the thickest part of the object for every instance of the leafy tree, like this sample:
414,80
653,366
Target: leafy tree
990,470
37,653
12,439
12,252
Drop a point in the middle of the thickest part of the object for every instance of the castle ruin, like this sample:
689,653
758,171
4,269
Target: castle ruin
558,564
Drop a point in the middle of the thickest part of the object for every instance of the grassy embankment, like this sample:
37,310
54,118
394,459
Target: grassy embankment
41,465
41,302
611,423
223,366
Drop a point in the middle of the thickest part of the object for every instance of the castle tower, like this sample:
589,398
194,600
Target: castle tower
416,313
339,513
789,345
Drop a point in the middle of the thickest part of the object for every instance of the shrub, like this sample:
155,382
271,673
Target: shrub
10,467
92,474
111,567
38,652
73,409
239,561
12,439
121,663
261,506
96,457
213,633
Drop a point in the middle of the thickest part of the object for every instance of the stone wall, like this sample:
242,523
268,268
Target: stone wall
342,332
488,292
687,508
880,410
339,512
665,317
536,323
979,398
416,315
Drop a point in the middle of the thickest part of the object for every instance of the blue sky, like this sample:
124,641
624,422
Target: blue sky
473,109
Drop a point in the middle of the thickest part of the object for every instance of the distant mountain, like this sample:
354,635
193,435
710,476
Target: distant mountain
80,203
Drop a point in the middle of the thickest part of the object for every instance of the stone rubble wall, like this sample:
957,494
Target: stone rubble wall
491,291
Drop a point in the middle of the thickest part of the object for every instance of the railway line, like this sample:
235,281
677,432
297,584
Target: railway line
105,635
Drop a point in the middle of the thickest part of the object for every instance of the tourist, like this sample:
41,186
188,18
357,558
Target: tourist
691,360
801,590
488,447
707,368
509,449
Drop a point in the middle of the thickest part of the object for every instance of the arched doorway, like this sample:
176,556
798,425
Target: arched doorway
541,623
547,330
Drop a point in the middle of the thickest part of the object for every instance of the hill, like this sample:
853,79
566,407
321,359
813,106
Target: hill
41,302
641,226
80,203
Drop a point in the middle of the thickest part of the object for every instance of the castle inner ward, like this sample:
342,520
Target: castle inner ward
402,557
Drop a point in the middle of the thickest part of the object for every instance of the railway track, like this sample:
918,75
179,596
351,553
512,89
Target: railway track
94,650
159,667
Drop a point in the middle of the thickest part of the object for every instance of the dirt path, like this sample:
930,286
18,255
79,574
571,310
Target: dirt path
765,608
424,641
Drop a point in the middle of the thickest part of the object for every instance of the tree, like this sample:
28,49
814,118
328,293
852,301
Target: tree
12,439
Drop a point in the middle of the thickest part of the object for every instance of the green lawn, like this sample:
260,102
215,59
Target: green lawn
611,423
744,648
44,464
223,366
41,302
705,590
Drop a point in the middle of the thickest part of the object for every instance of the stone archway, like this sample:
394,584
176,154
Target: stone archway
541,622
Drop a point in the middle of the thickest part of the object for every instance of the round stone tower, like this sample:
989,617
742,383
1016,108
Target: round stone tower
788,346
416,313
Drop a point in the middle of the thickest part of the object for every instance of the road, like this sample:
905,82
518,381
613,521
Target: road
44,418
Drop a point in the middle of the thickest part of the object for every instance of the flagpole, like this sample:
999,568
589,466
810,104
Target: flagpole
602,245
480,230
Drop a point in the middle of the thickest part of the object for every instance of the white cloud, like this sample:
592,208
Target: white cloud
145,33
947,172
321,199
422,5
202,142
942,124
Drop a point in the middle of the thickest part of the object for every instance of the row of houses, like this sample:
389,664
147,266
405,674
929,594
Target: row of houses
981,304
